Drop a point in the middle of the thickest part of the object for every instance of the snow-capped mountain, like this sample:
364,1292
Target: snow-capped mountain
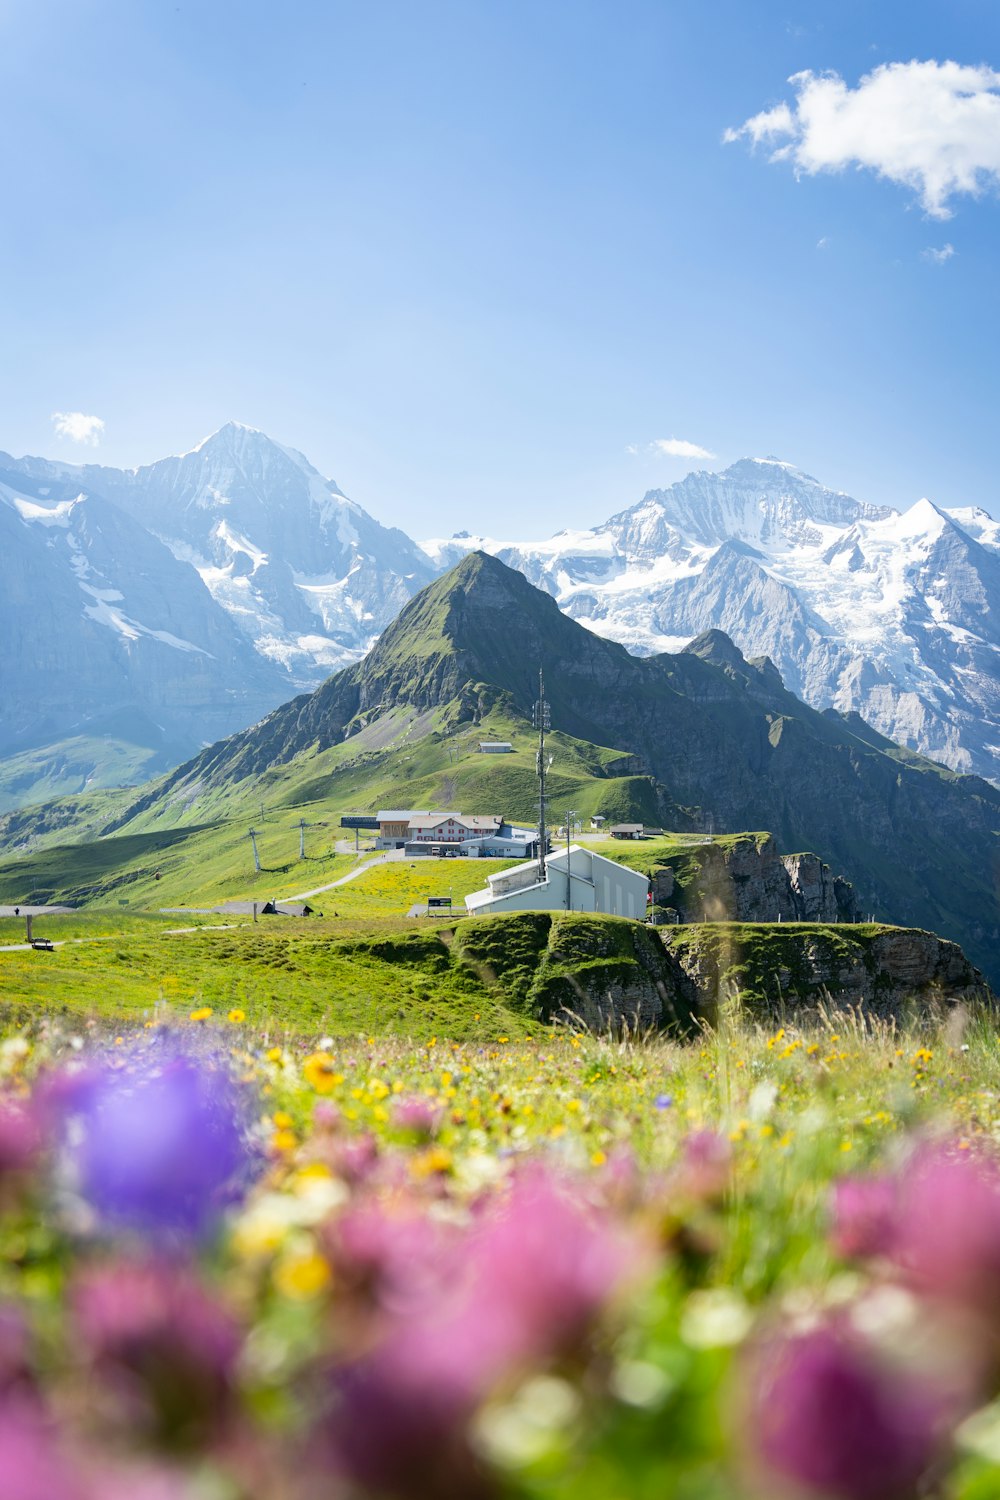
106,636
894,616
148,612
308,576
164,606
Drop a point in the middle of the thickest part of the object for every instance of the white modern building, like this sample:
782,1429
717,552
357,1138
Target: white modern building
576,879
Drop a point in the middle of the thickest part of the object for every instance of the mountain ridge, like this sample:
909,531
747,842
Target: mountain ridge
727,745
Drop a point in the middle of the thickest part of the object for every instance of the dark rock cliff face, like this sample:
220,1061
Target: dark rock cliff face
749,881
610,973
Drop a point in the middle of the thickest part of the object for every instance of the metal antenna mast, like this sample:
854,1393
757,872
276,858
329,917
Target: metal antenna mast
569,859
256,857
541,718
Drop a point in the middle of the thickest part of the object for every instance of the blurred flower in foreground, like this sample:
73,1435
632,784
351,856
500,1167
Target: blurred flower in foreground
159,1144
525,1286
865,1213
20,1144
31,1466
828,1418
411,1112
162,1345
948,1237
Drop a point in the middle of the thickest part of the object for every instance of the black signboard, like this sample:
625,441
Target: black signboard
356,820
438,901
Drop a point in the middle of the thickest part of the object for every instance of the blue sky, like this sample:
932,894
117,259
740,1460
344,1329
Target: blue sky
467,256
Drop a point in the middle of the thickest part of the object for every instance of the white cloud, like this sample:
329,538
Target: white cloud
938,257
932,126
822,242
678,448
78,427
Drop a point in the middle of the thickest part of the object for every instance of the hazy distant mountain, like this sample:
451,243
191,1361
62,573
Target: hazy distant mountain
114,658
146,612
307,575
861,608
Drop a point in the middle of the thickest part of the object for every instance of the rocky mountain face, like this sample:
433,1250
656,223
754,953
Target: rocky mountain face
895,617
307,576
168,605
106,636
727,746
892,617
615,974
747,880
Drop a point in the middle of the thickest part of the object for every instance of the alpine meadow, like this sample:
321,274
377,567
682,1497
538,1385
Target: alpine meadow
500,950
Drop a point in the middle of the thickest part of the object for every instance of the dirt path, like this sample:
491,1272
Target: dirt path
368,864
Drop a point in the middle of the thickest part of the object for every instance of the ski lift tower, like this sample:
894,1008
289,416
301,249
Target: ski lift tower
303,825
541,718
256,857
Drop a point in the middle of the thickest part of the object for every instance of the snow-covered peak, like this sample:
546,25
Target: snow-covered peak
225,436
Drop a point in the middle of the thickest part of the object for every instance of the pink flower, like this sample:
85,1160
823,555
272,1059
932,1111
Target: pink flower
827,1417
948,1231
544,1267
32,1464
419,1115
162,1345
865,1216
524,1286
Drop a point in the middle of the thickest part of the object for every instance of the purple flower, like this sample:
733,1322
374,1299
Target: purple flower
865,1215
663,1101
828,1417
400,1426
162,1345
160,1143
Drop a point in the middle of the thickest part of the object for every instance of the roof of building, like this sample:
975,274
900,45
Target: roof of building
401,815
626,828
558,857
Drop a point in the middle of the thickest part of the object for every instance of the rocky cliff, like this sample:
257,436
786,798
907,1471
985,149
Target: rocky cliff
745,879
607,972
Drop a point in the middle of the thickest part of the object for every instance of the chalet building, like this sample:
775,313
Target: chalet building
449,828
626,830
394,826
495,747
432,832
576,879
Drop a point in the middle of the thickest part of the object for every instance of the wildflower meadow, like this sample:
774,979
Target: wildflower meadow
235,1264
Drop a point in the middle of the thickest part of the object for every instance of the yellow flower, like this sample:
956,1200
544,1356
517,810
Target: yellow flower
318,1068
434,1159
282,1120
203,1014
301,1275
598,1159
284,1140
237,1016
274,1054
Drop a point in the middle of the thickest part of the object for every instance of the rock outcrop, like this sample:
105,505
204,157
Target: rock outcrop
746,880
611,973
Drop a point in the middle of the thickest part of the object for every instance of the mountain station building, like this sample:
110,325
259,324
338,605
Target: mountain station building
576,879
471,835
